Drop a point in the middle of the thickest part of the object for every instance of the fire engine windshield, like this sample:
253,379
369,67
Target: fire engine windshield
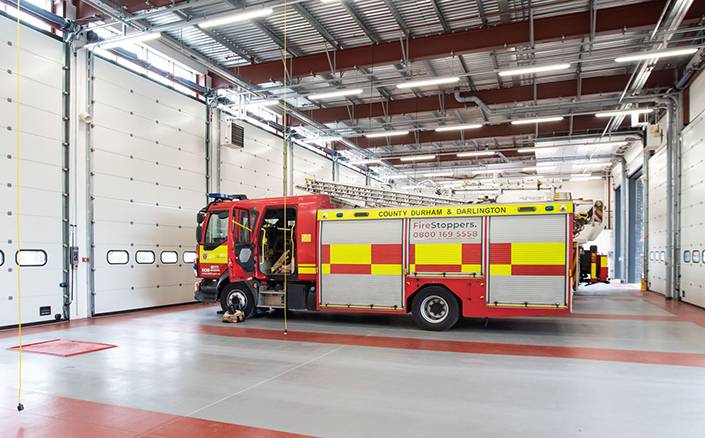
217,229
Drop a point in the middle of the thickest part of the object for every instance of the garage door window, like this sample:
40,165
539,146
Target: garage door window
144,257
686,256
169,257
118,257
190,256
2,258
31,257
696,256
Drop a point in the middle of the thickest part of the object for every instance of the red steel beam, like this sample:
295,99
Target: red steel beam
496,96
580,123
575,25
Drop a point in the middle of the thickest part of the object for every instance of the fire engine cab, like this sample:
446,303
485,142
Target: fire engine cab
439,263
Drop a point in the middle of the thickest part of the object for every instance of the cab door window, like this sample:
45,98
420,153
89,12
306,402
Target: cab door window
217,230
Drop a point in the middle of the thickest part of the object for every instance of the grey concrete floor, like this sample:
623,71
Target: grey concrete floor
164,363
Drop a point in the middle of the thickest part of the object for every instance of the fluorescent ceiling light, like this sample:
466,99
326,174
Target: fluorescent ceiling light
386,134
367,161
537,120
418,157
334,94
437,175
669,53
529,168
129,39
630,112
396,177
533,69
475,154
235,18
428,82
459,127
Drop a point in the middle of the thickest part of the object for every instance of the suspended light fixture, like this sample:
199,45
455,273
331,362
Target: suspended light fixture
533,69
458,127
334,94
475,154
236,18
629,112
428,82
386,134
418,157
537,120
656,54
437,175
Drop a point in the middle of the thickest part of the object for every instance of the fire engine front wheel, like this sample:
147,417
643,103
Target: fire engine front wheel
435,308
239,296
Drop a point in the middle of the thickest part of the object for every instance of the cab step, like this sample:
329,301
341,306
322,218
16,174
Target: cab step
271,299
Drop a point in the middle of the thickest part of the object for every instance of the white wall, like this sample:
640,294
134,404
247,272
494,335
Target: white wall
658,217
697,97
692,287
41,177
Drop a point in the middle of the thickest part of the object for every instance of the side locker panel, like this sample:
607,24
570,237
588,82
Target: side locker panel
361,264
658,217
527,256
148,180
692,200
446,245
41,176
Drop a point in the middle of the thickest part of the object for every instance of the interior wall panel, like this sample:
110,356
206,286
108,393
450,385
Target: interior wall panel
692,224
308,164
148,181
658,217
41,177
349,176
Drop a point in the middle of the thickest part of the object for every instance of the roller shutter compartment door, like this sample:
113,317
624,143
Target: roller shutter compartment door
361,263
527,260
446,246
41,176
148,181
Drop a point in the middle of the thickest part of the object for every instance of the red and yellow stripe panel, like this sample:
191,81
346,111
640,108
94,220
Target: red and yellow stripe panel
361,258
528,258
445,257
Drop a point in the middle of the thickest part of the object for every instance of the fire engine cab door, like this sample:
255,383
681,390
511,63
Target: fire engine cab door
243,248
361,264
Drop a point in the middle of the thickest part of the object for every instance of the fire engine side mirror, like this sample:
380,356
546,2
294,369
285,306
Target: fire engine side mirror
199,232
200,217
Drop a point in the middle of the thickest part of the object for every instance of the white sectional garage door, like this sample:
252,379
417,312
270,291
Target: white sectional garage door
692,224
308,164
349,176
41,176
658,217
148,181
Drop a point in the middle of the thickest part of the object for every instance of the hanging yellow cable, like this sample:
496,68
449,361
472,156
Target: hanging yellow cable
285,158
20,407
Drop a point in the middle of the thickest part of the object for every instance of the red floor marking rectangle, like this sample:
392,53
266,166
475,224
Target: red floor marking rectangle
63,347
49,415
587,353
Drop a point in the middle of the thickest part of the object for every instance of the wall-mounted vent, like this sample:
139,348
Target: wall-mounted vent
232,135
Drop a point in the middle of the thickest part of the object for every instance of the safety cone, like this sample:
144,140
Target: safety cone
643,285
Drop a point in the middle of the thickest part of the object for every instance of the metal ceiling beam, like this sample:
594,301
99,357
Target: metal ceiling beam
575,25
398,17
352,10
441,18
549,90
313,21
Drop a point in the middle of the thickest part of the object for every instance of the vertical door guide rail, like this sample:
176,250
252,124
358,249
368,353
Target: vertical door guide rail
90,217
67,284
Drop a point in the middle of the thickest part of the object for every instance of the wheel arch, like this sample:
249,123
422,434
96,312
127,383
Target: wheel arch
410,298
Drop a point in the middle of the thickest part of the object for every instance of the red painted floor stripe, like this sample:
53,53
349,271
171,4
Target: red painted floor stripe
602,354
683,311
54,416
621,317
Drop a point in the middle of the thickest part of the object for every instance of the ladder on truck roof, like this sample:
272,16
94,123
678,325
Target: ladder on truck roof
363,196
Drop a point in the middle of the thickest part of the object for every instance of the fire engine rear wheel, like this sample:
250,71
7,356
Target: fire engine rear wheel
240,296
435,308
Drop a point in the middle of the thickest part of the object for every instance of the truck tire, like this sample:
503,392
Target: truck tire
435,308
241,296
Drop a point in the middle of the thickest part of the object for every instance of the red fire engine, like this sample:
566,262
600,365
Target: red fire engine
439,263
